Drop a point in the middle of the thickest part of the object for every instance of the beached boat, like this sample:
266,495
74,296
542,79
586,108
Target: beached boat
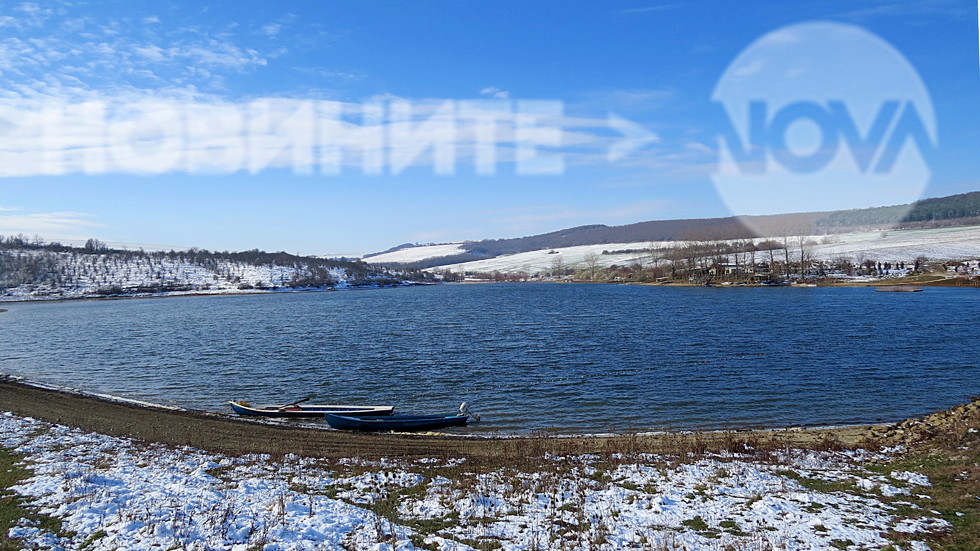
299,409
396,422
898,289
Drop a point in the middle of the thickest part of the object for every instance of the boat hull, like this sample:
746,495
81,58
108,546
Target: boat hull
395,422
308,411
898,289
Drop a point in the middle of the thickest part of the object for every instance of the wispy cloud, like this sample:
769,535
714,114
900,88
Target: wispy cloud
910,9
43,49
272,29
655,8
751,68
629,100
52,225
28,16
330,74
494,92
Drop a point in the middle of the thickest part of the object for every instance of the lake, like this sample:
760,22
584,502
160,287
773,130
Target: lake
565,358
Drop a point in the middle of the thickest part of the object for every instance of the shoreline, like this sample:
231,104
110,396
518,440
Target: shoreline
227,433
183,294
952,283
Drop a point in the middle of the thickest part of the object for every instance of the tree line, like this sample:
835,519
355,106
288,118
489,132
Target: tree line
962,206
773,260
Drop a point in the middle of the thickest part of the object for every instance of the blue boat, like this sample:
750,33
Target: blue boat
396,422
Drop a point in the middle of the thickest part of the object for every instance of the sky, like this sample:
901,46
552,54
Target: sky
342,128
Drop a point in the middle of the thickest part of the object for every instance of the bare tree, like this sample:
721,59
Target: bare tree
656,253
591,260
805,254
676,257
557,265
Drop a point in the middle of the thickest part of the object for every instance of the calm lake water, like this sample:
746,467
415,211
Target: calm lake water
564,358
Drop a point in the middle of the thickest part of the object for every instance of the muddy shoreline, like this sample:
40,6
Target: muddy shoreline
226,433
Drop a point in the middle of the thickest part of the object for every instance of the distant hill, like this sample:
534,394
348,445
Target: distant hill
656,230
962,209
954,207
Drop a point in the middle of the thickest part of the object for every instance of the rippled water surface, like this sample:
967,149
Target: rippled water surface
568,358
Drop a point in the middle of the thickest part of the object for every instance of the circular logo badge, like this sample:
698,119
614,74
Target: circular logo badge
822,116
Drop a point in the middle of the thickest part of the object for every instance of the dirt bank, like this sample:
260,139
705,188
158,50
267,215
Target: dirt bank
231,434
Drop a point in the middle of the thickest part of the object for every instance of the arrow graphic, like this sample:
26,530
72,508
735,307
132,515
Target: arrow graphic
635,136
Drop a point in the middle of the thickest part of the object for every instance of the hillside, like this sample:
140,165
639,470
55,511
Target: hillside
964,206
954,210
855,248
33,270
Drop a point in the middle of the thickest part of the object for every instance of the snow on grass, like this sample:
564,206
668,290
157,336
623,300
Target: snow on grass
905,245
414,254
114,493
881,246
533,262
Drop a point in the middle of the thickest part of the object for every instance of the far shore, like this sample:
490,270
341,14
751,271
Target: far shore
226,433
958,283
181,294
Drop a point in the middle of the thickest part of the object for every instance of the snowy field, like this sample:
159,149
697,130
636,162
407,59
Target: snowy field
413,254
881,246
111,493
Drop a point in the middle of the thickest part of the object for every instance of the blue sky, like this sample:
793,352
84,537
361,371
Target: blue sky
654,65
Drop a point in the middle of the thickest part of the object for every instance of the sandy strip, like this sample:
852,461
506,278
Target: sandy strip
230,434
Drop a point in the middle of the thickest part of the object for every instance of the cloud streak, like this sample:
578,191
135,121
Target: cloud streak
653,9
910,9
53,225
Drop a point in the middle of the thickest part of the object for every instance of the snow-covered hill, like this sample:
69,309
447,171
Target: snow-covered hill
938,244
414,254
44,274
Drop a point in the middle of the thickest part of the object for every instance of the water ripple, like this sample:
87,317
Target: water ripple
565,358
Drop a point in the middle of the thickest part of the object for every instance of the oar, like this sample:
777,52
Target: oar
296,403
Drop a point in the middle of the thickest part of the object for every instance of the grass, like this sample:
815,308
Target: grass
954,491
93,538
947,452
945,462
11,505
731,527
696,523
950,457
820,485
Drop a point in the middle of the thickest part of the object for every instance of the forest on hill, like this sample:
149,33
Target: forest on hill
32,268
